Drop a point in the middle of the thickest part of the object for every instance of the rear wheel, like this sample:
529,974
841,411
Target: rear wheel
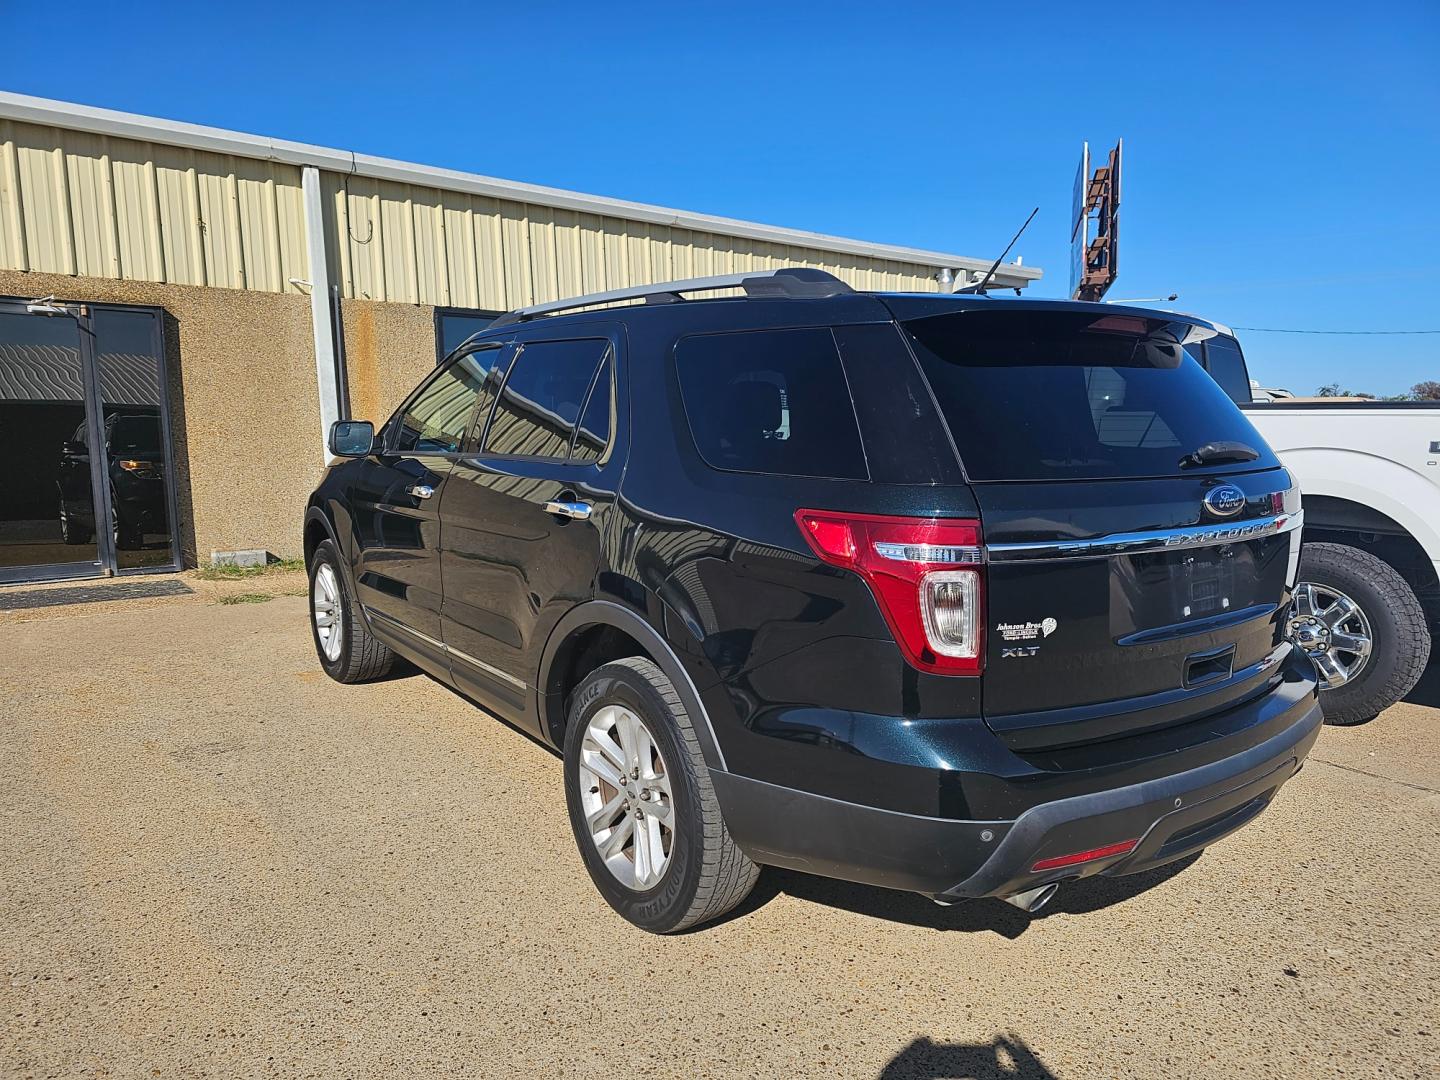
1361,624
642,805
348,652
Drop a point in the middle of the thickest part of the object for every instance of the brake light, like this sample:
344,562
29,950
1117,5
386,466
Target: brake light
925,574
1108,851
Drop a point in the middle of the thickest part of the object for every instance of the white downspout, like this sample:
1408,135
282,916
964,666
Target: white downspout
320,307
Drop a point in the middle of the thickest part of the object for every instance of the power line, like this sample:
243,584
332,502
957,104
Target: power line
1273,330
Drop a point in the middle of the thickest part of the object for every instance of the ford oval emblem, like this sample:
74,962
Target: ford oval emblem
1225,501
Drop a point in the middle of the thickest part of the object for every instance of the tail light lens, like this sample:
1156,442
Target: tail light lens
925,574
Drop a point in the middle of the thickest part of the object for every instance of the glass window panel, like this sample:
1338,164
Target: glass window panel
437,419
454,327
137,461
47,506
594,432
537,410
771,401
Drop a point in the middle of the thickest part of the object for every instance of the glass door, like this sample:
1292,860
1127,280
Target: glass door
47,483
85,485
130,379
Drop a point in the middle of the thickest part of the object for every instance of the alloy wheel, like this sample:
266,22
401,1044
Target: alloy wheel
626,797
325,610
1332,630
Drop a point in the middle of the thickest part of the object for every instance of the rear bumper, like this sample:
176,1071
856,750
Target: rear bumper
1170,816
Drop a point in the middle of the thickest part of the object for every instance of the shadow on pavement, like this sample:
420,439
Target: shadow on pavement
976,916
1005,1058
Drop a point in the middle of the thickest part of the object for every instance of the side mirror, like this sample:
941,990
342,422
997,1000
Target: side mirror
352,438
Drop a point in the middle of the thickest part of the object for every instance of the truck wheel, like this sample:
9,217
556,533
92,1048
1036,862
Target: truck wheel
348,652
1362,626
642,805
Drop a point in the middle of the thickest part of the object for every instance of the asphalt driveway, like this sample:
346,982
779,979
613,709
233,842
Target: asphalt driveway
215,862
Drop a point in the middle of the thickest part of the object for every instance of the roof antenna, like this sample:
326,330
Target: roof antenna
979,286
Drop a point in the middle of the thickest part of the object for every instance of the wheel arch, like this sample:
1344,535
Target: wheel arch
317,529
1375,484
568,638
1336,520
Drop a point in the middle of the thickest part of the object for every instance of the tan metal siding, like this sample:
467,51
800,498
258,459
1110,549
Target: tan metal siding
72,202
415,245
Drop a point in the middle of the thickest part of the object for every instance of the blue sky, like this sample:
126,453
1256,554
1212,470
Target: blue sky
1282,161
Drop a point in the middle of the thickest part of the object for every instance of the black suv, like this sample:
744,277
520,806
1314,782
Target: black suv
952,594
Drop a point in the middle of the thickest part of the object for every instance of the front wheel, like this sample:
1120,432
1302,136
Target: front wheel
72,532
642,805
1362,626
348,652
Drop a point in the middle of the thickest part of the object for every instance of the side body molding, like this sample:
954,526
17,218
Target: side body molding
608,613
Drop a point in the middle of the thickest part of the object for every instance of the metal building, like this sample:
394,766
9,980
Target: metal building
272,287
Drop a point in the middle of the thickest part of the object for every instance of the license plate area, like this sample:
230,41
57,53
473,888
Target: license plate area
1161,589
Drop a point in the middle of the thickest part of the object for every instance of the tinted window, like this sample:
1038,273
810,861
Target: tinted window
136,433
537,410
437,418
1035,395
453,327
770,401
594,431
1227,367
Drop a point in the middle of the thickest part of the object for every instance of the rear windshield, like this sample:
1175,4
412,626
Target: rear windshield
1040,395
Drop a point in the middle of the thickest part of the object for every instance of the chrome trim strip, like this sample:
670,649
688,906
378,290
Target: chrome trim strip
448,650
1135,543
392,621
487,668
949,554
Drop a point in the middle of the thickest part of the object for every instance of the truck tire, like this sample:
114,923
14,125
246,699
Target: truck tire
1362,625
642,805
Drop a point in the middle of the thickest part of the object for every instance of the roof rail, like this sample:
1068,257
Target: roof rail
795,282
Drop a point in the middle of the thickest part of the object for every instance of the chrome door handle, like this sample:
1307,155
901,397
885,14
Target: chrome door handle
580,511
422,491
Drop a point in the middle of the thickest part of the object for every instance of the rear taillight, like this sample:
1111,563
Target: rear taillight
925,574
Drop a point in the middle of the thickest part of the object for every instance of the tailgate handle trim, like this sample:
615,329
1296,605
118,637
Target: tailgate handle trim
1202,669
1135,543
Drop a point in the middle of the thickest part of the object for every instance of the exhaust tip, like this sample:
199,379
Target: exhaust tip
1032,900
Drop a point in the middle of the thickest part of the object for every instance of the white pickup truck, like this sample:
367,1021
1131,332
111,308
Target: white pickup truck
1369,472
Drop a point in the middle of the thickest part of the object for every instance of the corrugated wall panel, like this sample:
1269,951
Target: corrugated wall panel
73,202
78,203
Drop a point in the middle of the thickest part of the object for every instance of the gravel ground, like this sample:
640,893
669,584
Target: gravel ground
218,863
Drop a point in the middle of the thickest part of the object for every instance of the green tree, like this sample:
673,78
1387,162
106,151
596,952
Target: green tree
1333,390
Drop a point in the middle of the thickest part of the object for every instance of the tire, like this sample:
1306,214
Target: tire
71,531
129,536
706,873
1400,636
356,655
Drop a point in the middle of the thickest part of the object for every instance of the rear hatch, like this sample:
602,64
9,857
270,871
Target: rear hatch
1138,530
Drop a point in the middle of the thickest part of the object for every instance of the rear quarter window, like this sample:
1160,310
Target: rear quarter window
770,401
